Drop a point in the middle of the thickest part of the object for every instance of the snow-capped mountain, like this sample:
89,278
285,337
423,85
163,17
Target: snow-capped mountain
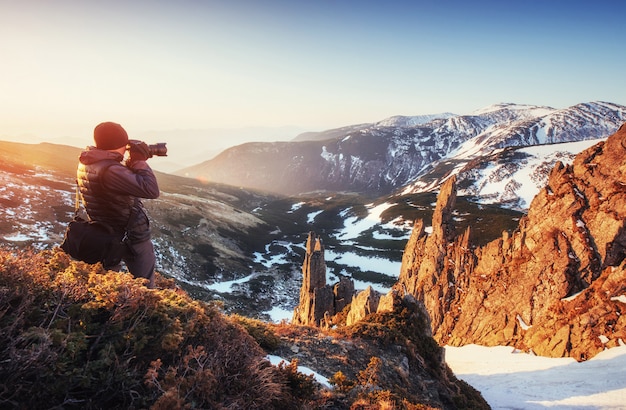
509,161
513,176
409,153
542,125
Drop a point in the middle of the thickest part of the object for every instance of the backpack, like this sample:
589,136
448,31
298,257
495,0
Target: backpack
94,241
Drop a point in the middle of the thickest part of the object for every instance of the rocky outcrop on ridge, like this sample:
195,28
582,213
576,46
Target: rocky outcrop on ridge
556,285
319,301
388,352
363,304
386,344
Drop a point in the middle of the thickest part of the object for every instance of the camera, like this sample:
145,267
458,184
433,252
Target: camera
159,149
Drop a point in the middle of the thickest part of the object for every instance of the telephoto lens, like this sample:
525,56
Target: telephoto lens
159,149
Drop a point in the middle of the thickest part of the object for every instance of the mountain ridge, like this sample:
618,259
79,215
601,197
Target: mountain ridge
207,234
554,286
241,246
377,159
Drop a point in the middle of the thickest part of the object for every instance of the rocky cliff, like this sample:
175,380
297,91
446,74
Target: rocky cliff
555,286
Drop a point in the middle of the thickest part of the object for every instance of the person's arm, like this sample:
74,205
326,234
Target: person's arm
139,180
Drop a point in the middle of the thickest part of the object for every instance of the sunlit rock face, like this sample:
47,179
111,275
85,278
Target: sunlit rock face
364,303
315,295
555,285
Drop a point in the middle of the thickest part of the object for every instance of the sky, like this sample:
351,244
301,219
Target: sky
159,66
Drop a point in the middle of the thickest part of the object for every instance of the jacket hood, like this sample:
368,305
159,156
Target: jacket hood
93,154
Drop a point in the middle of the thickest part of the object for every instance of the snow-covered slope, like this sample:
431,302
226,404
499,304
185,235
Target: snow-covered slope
513,177
412,121
509,379
542,125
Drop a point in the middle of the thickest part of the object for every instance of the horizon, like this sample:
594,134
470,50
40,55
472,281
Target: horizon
185,149
153,66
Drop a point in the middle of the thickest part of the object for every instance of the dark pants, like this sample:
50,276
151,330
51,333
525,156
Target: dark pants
140,261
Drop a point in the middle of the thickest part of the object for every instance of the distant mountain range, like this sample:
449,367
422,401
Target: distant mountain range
413,154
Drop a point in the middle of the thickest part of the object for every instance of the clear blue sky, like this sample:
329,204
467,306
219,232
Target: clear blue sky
160,65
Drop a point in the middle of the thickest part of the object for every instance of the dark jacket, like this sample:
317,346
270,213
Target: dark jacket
110,191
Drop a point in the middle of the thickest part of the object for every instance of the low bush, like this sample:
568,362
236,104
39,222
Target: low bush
260,331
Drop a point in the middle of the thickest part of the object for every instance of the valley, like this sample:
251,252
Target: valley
209,234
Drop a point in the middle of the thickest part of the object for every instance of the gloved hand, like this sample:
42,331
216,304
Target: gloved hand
139,151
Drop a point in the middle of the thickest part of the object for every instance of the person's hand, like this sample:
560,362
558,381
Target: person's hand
139,151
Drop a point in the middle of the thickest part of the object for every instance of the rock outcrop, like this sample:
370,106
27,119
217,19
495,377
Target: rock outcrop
555,286
363,304
318,300
392,352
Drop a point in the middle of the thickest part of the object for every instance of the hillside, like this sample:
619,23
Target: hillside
75,336
240,246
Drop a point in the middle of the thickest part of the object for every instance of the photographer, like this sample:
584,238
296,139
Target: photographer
110,192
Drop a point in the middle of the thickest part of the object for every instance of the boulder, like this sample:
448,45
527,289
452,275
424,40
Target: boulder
364,303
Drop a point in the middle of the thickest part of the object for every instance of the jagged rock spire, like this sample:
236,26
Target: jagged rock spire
314,265
319,301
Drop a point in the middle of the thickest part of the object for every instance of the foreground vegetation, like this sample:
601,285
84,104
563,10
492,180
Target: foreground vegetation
76,336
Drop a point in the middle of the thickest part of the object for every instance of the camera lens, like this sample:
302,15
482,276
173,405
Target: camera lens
158,149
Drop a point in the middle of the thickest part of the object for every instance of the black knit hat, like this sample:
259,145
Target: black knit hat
110,135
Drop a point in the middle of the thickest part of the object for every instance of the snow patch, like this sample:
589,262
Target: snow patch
353,226
312,215
295,207
17,237
226,286
621,298
276,360
522,324
510,379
